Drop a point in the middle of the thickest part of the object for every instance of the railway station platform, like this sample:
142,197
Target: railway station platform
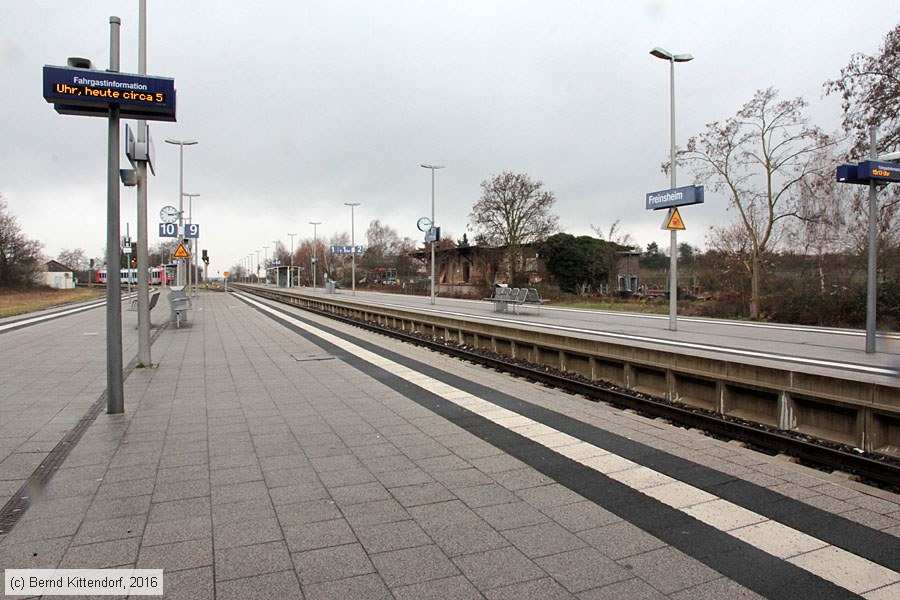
274,454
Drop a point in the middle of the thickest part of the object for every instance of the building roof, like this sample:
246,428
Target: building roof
54,266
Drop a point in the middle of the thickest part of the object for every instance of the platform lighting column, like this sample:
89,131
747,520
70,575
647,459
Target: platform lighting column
266,263
143,258
872,255
315,263
275,267
352,205
195,245
673,247
291,272
180,273
433,227
257,265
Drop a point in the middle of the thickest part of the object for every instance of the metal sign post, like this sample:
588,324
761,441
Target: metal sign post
115,385
672,199
871,173
80,89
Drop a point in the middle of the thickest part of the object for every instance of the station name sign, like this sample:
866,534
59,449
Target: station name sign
90,93
681,196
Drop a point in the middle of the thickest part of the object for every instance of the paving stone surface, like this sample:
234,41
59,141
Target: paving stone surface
246,473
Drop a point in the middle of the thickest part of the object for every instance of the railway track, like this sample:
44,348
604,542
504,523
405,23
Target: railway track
878,470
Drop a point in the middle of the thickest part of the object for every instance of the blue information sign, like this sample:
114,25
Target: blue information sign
680,196
848,174
168,230
345,249
191,230
90,93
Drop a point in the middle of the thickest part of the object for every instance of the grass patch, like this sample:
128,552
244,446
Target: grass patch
16,302
656,308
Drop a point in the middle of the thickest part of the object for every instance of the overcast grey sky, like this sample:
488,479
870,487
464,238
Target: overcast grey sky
300,106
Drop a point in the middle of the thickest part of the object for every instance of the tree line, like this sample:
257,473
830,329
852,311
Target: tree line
796,238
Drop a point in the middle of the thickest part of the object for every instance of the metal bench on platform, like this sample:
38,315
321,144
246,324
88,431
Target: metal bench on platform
154,298
179,304
505,296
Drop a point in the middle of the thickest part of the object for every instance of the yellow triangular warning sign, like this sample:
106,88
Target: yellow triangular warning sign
181,252
674,220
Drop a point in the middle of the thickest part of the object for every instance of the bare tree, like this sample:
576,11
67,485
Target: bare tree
870,93
756,159
334,265
513,211
617,242
20,257
382,244
161,253
75,258
825,214
869,87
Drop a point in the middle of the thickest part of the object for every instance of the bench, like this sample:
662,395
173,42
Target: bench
153,300
179,304
505,296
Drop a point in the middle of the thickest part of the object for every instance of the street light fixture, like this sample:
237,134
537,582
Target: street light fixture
673,250
315,262
433,226
352,205
181,144
291,272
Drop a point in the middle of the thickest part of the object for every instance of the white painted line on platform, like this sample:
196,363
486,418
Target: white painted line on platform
840,567
61,313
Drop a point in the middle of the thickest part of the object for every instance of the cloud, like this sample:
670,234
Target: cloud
302,106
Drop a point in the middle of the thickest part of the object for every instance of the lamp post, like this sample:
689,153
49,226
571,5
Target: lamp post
140,167
180,275
266,263
433,226
196,244
352,205
291,272
275,267
673,250
315,261
257,266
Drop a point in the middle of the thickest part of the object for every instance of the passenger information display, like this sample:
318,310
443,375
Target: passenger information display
883,171
89,92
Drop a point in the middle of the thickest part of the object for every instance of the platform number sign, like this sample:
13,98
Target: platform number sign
191,230
168,230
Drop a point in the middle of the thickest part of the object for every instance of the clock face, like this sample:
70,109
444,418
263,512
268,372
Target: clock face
423,224
168,214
